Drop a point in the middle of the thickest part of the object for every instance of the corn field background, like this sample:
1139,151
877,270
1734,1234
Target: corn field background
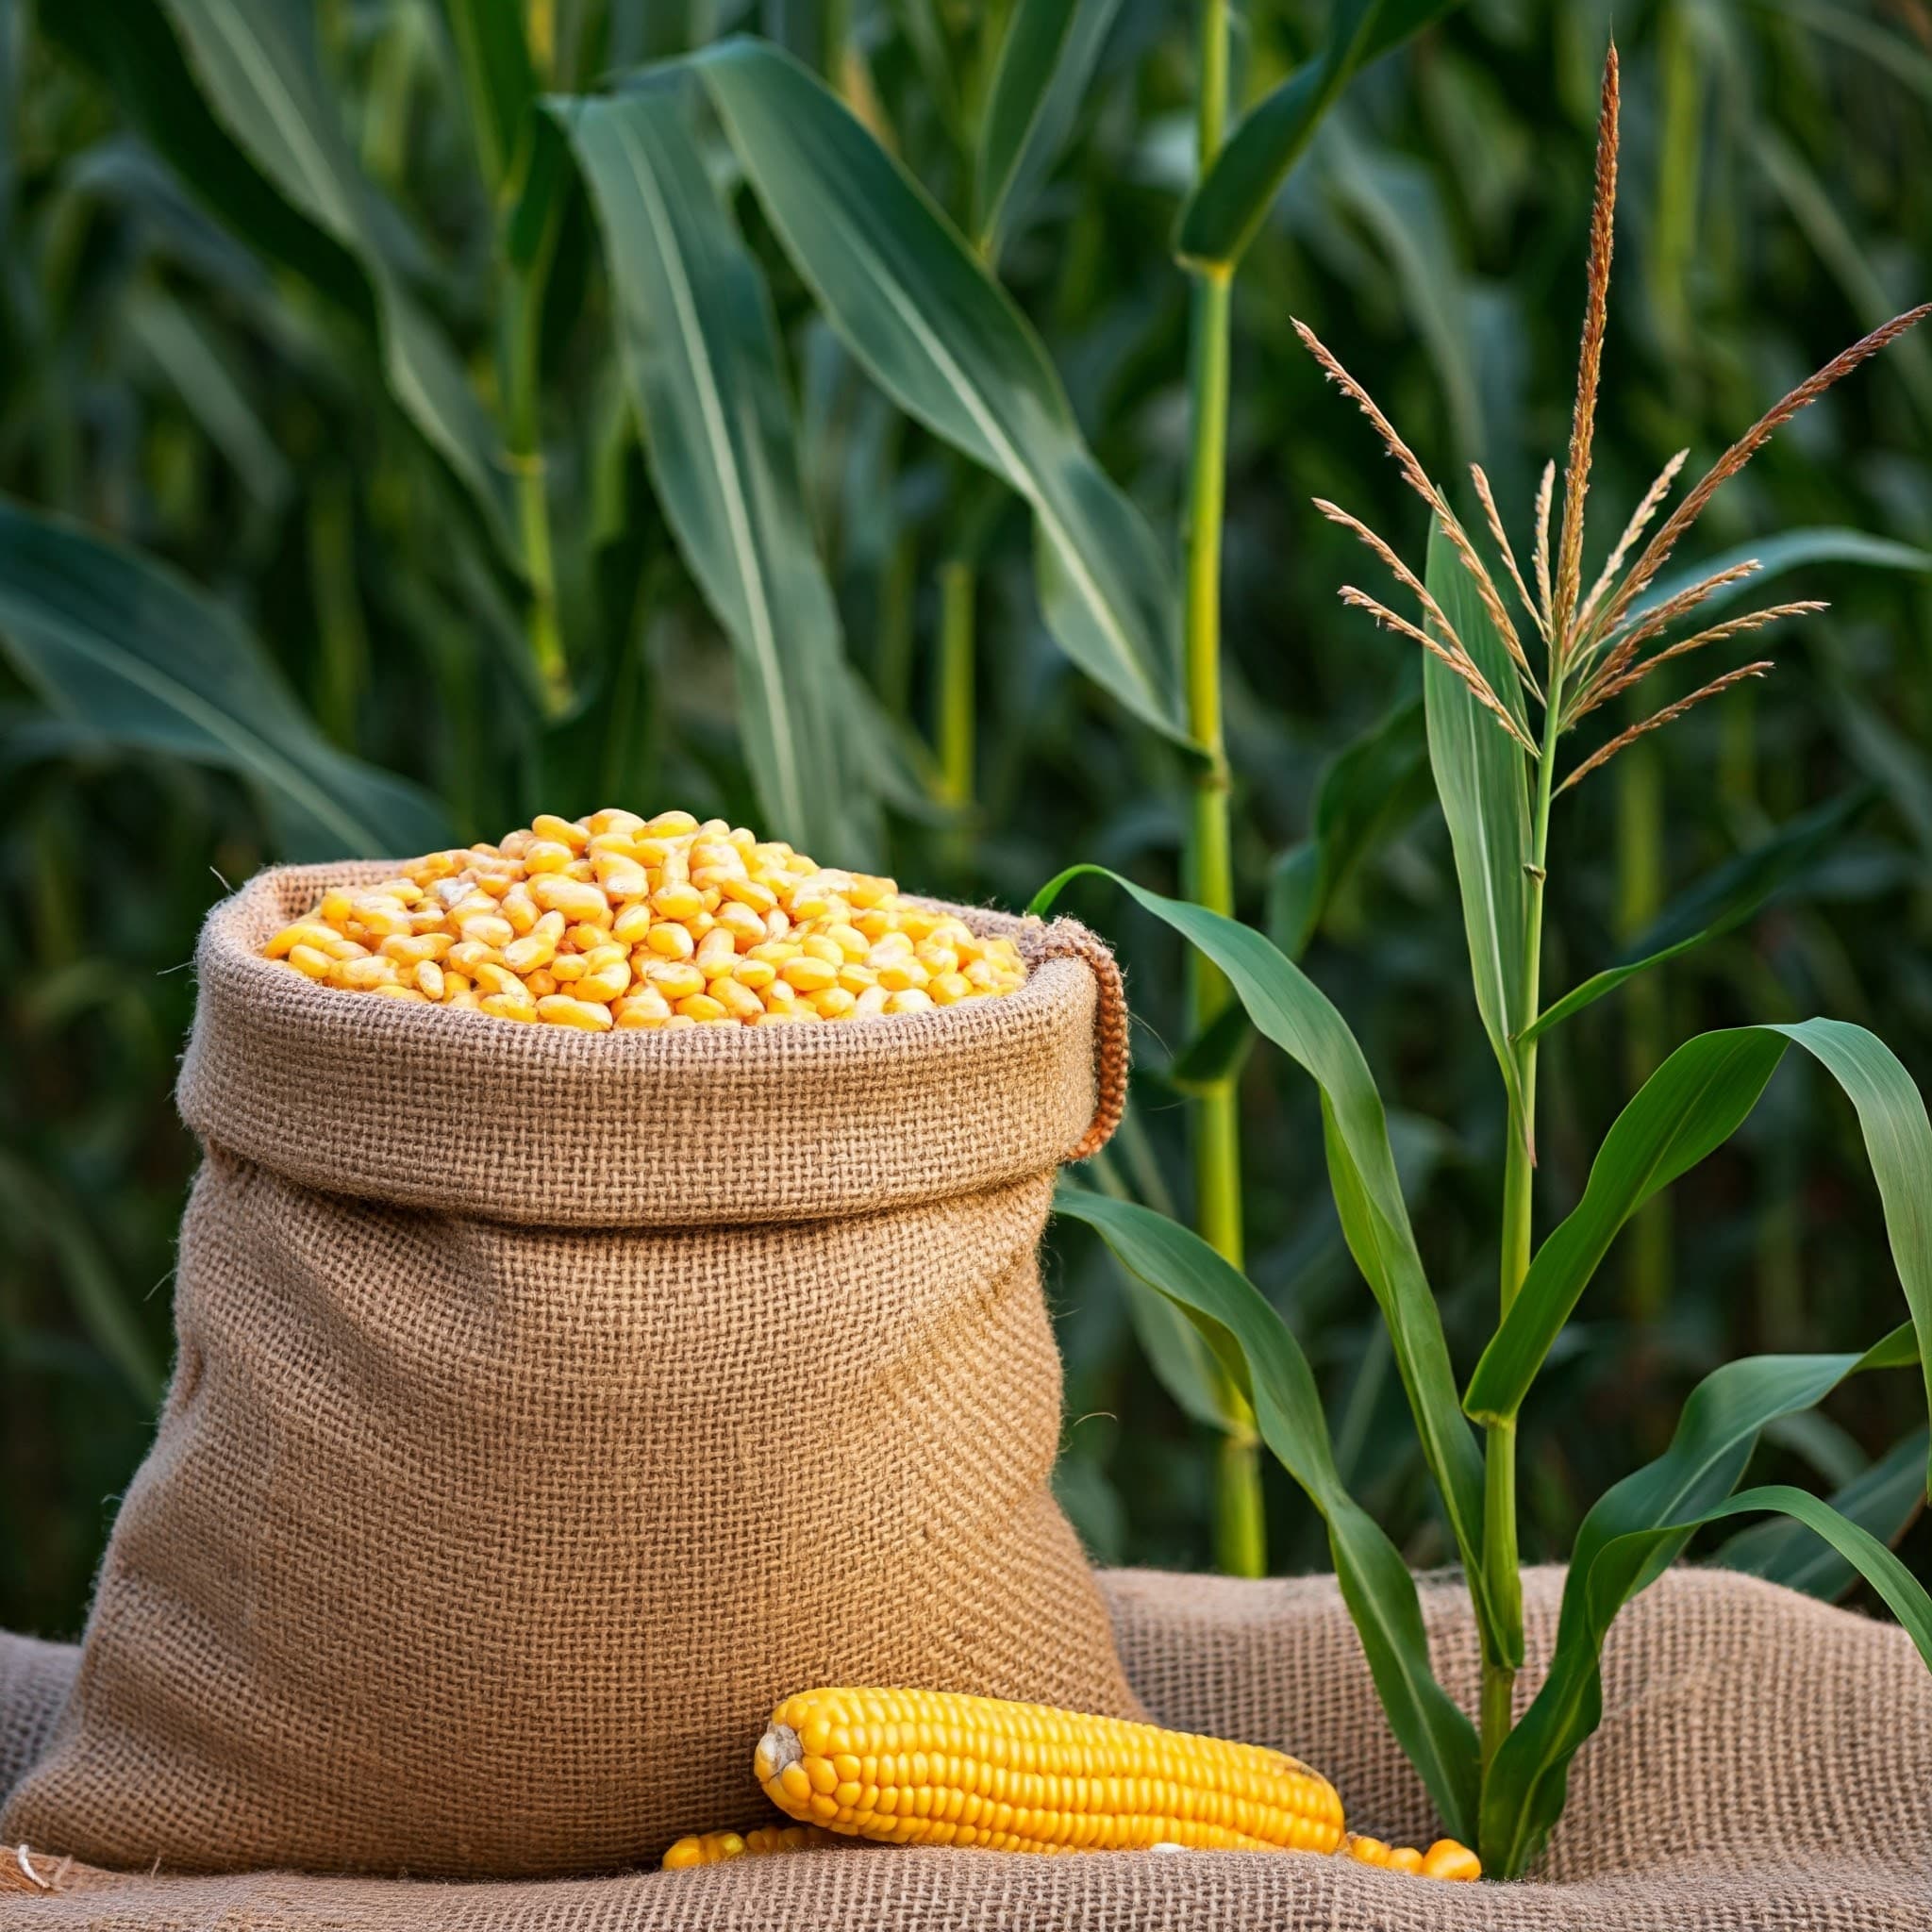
211,354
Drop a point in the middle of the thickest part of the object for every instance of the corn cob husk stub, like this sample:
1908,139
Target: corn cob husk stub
915,1767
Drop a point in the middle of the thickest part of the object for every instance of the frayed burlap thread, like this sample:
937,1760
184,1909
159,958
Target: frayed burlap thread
1765,1765
547,1408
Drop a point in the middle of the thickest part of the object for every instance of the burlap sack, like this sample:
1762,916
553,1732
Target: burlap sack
549,1406
1765,1765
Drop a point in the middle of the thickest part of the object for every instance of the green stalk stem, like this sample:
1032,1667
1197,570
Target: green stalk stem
953,734
1501,1563
524,442
1241,1545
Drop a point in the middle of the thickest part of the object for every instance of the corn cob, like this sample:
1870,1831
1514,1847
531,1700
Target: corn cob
615,922
919,1767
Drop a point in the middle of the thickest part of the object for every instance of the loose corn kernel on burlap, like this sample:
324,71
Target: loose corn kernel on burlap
615,921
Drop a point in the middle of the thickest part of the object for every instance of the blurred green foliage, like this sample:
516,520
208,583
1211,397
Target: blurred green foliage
201,375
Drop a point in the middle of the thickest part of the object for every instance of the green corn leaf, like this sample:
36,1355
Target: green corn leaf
1884,1499
147,662
1632,1535
1726,899
1045,64
1290,1009
1788,550
1693,1103
249,119
1257,1351
499,80
1482,779
702,354
1226,212
944,341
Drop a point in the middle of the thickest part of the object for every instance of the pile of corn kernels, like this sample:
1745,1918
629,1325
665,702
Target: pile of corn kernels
615,921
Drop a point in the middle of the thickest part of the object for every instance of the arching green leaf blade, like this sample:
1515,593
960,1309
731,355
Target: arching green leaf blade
257,66
1046,63
1482,779
1693,1103
498,79
145,661
1257,1350
947,344
1787,550
1633,1534
701,356
1883,1499
1289,1008
1226,212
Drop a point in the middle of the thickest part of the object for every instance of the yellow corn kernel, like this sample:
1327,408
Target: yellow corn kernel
755,974
559,1009
620,878
567,968
743,924
717,952
311,961
632,926
529,954
518,908
539,985
546,855
312,934
701,1007
671,940
589,936
908,999
428,979
902,974
749,894
872,1003
920,1767
1448,1859
407,950
576,899
833,1002
676,979
393,991
564,832
492,978
467,956
949,989
805,975
360,975
678,901
604,983
504,1005
738,1000
646,1007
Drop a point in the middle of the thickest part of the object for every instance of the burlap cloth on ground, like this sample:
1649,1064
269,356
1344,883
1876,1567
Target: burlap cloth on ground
548,1406
1765,1765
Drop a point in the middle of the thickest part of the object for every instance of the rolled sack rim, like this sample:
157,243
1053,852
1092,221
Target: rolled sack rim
419,1106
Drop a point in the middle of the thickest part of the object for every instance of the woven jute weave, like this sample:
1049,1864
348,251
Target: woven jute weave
1765,1765
547,1406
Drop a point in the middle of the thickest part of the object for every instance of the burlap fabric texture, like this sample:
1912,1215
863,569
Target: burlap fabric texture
1765,1765
548,1406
